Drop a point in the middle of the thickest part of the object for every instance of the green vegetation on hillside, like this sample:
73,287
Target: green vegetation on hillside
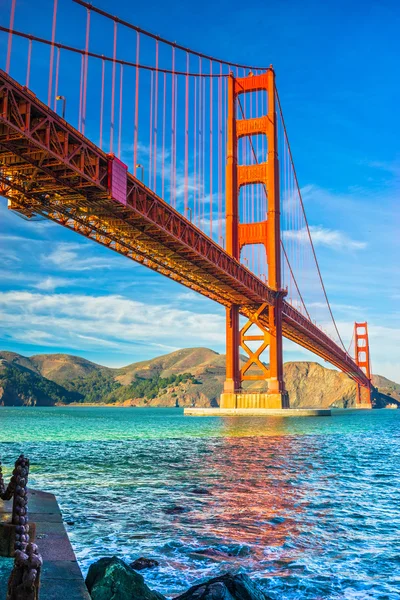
100,387
150,388
35,388
48,379
94,388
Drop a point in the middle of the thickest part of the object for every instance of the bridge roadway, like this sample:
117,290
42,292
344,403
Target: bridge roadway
48,168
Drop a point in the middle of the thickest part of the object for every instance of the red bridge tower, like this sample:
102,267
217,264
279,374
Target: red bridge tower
272,392
362,359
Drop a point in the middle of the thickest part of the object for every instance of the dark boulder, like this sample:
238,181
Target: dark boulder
175,510
200,491
225,587
144,563
111,579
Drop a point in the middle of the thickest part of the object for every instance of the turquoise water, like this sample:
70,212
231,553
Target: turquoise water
310,507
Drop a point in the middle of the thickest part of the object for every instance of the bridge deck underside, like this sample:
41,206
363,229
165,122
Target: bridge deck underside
48,168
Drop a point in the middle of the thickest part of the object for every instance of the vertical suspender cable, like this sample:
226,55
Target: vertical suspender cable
85,71
151,126
102,103
176,132
81,93
203,158
121,75
136,127
163,138
53,37
171,183
113,88
219,216
28,66
307,226
211,150
186,191
9,44
223,146
285,202
195,145
57,76
201,136
155,122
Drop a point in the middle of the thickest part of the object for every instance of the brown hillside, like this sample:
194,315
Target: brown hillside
188,360
17,359
309,384
385,386
63,367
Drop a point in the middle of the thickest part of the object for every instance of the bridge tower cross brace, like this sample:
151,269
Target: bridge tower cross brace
362,359
266,232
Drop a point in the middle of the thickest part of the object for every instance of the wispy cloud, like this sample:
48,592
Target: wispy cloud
82,321
391,167
49,284
322,236
356,202
74,257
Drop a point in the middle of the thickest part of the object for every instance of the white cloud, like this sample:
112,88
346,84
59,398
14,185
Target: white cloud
49,284
389,167
68,256
356,202
18,238
188,296
321,236
9,258
78,321
19,276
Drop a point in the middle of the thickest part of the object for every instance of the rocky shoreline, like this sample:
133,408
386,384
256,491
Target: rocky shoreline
110,578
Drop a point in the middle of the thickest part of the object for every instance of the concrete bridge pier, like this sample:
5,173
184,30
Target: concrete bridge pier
363,398
243,399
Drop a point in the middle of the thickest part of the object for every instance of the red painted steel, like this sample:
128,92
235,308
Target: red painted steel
117,179
49,168
362,359
266,233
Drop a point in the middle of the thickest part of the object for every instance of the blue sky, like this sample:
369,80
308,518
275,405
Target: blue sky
336,65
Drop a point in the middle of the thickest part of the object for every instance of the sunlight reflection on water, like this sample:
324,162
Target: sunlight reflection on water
309,507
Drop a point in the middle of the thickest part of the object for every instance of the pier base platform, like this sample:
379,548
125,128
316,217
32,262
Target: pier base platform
254,400
257,412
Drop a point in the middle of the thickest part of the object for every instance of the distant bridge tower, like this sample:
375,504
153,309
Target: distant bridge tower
272,392
362,359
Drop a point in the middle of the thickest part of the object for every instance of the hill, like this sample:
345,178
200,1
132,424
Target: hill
385,386
22,386
188,377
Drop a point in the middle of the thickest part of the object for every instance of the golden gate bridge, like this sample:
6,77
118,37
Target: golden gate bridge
181,162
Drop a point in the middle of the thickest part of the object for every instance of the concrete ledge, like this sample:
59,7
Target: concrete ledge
61,576
257,412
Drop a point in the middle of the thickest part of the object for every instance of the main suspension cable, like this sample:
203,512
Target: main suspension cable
282,244
107,15
306,221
